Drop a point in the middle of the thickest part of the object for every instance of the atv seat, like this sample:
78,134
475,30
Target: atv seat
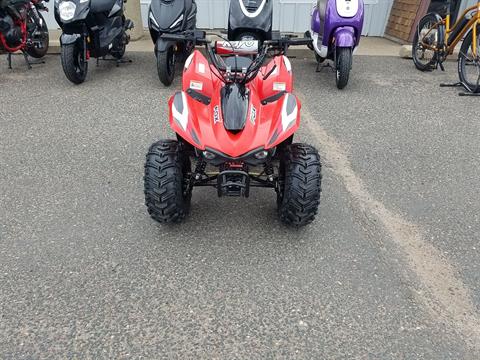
242,62
99,6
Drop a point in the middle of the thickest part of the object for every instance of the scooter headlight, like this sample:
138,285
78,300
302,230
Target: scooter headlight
67,10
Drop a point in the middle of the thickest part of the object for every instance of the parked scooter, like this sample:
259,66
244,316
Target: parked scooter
171,17
335,31
250,20
23,28
91,28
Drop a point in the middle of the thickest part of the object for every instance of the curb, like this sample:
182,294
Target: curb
406,53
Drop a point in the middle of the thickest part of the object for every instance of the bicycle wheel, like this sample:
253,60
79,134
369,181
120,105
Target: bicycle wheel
469,64
426,40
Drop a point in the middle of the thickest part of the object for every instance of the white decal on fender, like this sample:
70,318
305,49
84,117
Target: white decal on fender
253,115
288,120
182,118
216,115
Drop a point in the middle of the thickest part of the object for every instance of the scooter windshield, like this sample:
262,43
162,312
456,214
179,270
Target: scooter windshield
234,107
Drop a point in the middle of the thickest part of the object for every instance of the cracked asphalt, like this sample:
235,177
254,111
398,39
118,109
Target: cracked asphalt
85,273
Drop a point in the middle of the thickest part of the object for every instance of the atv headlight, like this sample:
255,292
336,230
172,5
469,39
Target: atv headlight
67,10
289,111
261,155
209,155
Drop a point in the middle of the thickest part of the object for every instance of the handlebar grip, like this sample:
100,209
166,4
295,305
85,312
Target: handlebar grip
302,41
174,37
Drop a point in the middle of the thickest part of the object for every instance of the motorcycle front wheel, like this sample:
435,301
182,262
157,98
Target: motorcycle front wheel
166,65
39,38
343,66
74,65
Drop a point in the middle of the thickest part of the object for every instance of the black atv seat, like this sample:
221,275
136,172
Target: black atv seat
242,62
100,6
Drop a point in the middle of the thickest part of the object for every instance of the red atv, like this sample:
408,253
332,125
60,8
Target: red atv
235,120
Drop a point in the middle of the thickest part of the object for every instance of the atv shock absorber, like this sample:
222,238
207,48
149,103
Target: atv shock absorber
200,169
269,171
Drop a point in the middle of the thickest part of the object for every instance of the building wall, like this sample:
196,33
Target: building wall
402,18
289,15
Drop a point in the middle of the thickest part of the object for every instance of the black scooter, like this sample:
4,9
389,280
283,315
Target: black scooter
250,20
171,17
91,28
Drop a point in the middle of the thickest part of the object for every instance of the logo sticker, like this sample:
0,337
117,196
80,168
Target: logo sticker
253,115
196,85
279,86
216,115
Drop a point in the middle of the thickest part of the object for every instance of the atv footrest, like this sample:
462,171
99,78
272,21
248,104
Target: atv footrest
233,183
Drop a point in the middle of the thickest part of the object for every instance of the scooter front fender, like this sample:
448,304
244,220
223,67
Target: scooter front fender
67,39
344,37
163,45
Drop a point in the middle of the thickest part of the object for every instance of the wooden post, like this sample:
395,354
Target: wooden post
134,13
422,11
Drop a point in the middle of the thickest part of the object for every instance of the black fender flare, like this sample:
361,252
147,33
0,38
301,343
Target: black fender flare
68,39
162,45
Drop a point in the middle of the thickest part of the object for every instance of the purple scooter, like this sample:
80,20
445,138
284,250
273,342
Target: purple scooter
336,29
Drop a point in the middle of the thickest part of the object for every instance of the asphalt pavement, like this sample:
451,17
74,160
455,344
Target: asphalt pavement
388,270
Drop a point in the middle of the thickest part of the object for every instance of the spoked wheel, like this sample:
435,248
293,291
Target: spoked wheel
167,172
469,63
166,65
39,38
74,65
343,66
425,42
300,180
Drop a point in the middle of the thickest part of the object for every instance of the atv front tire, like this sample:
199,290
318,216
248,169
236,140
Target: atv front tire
167,171
301,179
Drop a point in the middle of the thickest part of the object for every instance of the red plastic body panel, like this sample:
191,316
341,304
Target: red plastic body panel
263,128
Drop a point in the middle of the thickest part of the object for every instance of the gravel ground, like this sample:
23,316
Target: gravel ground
388,270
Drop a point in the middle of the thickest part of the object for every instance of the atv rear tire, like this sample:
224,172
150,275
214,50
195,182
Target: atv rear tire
301,185
167,169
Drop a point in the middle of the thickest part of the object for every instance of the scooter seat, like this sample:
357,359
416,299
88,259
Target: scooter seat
242,62
101,6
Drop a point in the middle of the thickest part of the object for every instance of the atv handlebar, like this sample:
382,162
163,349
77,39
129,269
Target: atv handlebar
199,38
277,46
